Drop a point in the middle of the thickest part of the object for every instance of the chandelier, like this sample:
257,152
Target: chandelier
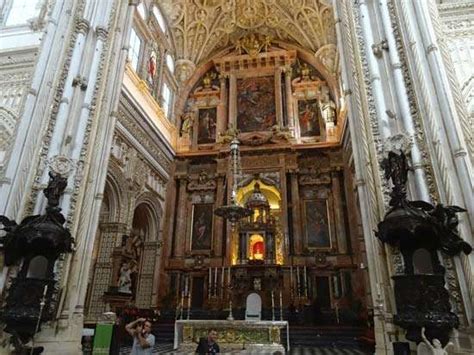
234,212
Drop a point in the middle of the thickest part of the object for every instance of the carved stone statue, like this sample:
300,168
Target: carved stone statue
396,168
228,135
125,279
435,347
328,111
187,124
56,186
450,241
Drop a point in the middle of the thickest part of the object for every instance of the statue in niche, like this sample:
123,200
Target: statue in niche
187,120
151,67
125,279
431,348
328,111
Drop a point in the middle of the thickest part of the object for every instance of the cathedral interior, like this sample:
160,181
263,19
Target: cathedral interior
293,173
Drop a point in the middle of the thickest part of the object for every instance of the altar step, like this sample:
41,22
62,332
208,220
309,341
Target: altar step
332,337
168,349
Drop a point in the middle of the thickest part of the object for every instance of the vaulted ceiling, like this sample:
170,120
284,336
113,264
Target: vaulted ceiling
200,28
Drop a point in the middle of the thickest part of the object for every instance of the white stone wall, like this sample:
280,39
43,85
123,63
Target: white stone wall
457,17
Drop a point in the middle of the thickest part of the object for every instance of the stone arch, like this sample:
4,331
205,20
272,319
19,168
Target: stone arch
155,210
147,216
115,188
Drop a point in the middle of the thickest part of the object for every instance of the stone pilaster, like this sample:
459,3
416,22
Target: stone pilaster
298,236
181,220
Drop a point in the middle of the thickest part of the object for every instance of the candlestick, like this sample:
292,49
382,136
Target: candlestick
281,306
215,281
222,282
298,280
209,288
186,285
305,283
189,304
273,308
182,305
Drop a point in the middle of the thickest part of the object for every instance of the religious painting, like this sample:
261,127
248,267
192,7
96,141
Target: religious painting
201,236
317,224
308,115
207,125
256,104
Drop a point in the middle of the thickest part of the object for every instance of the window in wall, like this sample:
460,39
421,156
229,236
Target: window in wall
170,63
166,93
134,51
141,10
20,11
159,17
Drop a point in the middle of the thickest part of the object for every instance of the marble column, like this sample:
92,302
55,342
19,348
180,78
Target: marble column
403,103
232,100
375,76
181,220
298,236
218,222
221,125
278,98
289,99
353,75
338,213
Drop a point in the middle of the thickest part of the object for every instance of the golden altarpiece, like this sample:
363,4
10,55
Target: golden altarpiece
297,247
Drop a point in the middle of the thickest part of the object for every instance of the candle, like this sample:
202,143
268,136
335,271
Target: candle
222,282
210,279
186,280
305,283
45,290
182,305
291,275
228,276
298,280
273,301
281,306
215,281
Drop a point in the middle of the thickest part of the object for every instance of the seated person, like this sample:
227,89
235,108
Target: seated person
209,345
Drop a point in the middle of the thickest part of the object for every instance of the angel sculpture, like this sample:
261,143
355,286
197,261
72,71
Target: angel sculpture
431,348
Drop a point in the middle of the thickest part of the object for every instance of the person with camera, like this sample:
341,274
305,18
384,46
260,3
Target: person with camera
143,340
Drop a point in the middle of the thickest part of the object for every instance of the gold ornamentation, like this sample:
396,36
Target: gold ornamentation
203,27
253,44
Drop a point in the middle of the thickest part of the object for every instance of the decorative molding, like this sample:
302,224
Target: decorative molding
200,28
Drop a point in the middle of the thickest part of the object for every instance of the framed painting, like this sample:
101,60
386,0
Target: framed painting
201,234
256,104
317,226
207,119
309,118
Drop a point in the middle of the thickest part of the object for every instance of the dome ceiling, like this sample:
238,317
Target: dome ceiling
200,28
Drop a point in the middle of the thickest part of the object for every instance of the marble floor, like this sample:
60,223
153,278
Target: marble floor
168,349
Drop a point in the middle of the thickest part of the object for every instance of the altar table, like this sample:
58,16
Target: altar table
233,336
